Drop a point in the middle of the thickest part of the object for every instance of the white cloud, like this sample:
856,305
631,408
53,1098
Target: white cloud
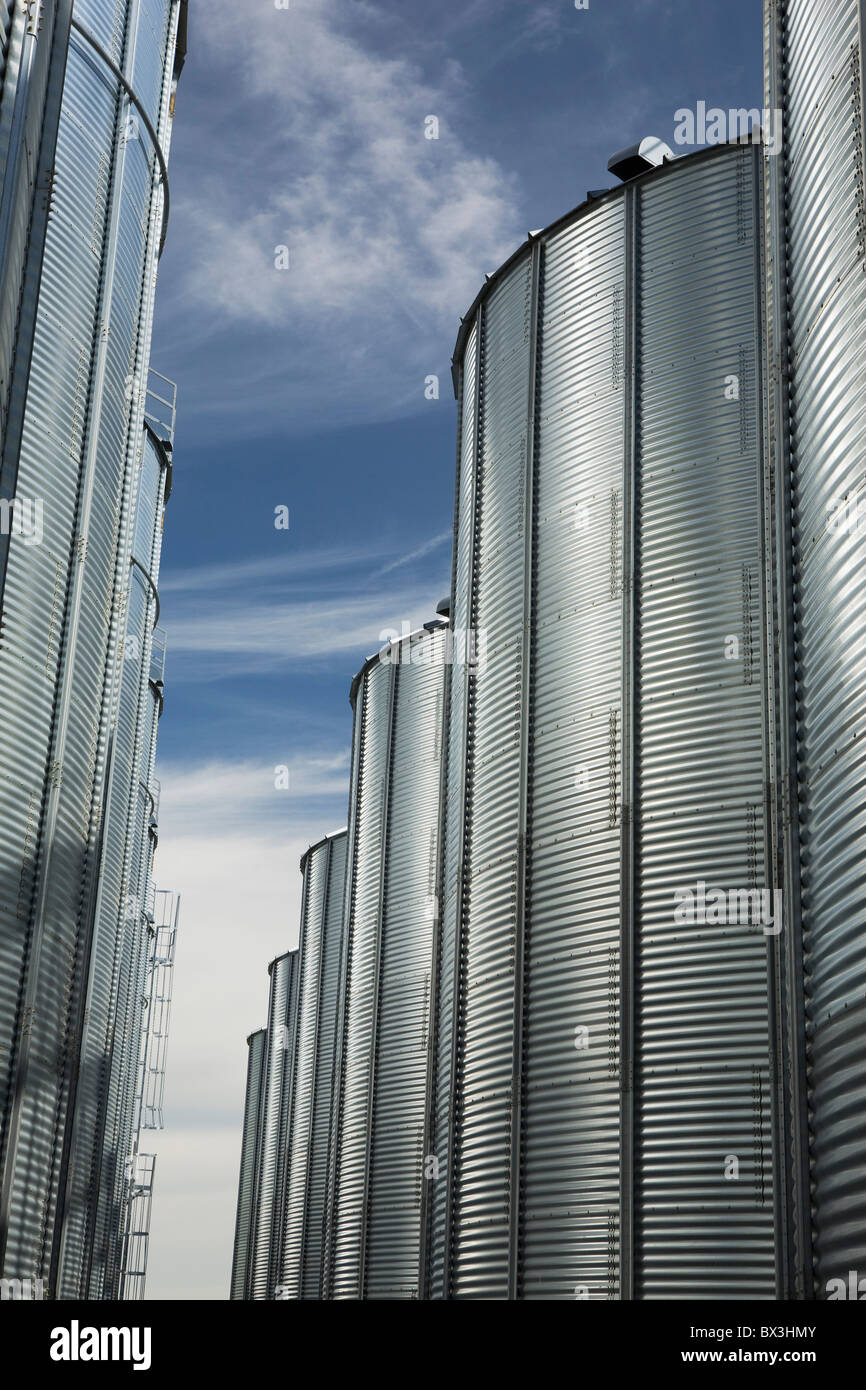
195,1195
426,549
389,234
232,797
303,563
220,639
235,618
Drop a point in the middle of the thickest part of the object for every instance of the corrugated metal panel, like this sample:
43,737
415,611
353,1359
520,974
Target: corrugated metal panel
65,335
815,76
121,932
62,621
275,1141
246,1212
703,1083
549,925
321,946
391,910
363,891
460,688
409,910
5,26
570,1199
32,64
111,1040
487,988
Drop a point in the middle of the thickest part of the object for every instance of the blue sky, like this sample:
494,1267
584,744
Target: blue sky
304,129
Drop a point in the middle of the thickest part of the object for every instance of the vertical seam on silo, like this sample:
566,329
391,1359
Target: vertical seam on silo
329,1244
774,946
526,653
787,794
393,677
861,28
314,1063
435,965
627,854
287,1114
454,1109
435,1035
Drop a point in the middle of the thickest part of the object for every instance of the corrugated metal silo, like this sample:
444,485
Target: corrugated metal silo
817,292
105,1090
321,945
604,1087
276,1113
377,1188
63,589
245,1220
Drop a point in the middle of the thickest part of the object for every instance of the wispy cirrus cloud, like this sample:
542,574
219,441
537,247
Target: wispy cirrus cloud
264,614
419,553
241,797
223,641
387,233
265,569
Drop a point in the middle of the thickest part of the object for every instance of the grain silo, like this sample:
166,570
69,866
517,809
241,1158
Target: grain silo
277,1103
76,307
245,1217
380,1174
124,928
604,1116
323,867
817,300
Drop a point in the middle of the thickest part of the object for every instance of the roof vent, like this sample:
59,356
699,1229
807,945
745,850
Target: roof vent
648,153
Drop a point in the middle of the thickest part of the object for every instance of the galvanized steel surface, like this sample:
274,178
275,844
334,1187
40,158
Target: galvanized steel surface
380,1103
321,947
596,1063
102,1133
245,1220
60,648
703,1079
32,65
275,1136
655,556
815,76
